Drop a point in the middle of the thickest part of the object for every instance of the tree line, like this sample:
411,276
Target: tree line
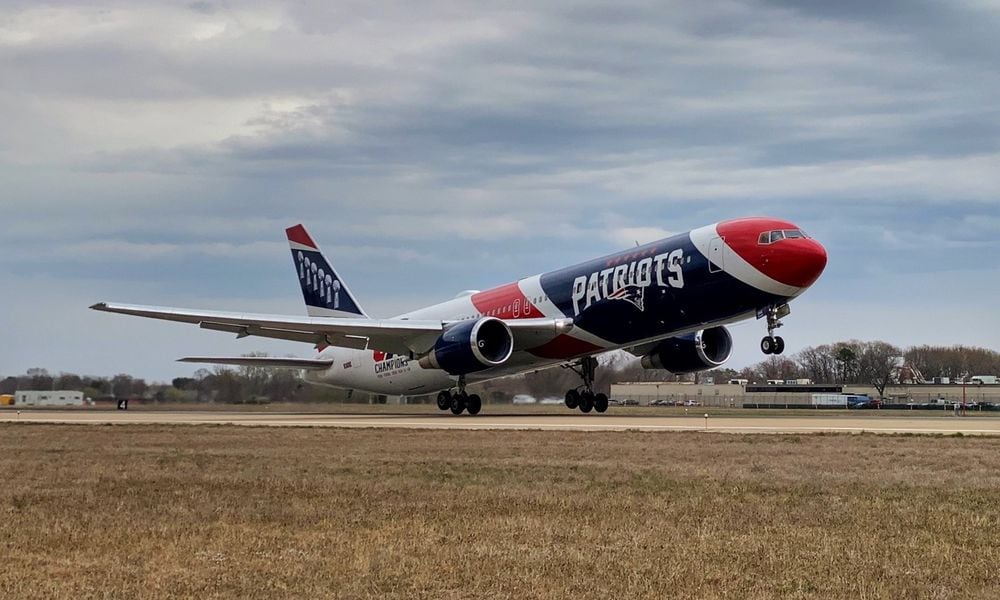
874,363
243,385
854,362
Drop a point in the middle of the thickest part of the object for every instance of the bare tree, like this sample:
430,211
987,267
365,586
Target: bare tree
877,361
779,367
121,386
818,363
846,355
953,361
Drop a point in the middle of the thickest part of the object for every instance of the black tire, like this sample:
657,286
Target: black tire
767,345
457,404
779,345
586,402
444,400
474,404
572,399
600,403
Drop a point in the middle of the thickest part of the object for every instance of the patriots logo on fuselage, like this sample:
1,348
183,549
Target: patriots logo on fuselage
633,294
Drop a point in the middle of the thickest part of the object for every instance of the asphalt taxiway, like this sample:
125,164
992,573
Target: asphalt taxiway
569,422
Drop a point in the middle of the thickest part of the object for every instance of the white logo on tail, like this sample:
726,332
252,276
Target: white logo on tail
315,278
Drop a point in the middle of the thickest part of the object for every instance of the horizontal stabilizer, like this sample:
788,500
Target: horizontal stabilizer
274,362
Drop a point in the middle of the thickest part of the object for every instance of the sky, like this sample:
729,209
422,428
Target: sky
153,152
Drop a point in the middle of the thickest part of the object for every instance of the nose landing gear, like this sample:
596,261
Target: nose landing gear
586,400
772,344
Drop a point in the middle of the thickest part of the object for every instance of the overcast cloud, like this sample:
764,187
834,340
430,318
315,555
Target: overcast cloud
153,152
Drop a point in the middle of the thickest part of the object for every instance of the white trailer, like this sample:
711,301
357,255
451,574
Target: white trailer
48,398
829,400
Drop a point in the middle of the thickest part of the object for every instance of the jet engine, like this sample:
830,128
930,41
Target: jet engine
471,346
699,351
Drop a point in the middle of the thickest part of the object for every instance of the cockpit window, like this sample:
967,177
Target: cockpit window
770,237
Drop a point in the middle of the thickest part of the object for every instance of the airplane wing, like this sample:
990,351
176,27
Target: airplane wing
399,336
274,362
391,335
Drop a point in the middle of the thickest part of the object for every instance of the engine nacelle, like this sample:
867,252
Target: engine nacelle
471,346
699,351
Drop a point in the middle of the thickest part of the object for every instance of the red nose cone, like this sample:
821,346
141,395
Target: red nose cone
792,260
796,262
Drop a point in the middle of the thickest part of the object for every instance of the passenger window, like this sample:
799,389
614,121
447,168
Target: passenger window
777,236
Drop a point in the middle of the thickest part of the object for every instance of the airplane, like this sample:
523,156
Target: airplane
667,302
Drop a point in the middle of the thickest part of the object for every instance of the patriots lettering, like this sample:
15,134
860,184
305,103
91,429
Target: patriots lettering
628,281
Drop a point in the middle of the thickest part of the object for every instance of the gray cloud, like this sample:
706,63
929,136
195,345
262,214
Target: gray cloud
161,148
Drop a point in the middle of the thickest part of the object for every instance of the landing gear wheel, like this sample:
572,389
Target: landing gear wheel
458,404
586,368
444,400
600,402
474,404
774,314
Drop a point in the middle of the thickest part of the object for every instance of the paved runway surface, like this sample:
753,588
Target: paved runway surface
567,422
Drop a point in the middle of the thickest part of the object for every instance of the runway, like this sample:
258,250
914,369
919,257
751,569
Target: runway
569,422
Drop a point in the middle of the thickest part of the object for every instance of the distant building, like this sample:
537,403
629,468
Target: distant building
734,395
48,398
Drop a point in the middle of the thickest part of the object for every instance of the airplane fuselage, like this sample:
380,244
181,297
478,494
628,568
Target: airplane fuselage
707,277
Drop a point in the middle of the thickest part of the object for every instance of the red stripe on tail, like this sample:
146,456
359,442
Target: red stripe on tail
299,235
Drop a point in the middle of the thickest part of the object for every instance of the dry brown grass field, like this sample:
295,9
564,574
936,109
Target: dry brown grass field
234,512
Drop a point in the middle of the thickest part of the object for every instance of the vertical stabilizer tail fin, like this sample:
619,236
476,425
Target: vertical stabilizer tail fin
325,293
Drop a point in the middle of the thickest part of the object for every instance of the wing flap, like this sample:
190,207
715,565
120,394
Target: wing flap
316,339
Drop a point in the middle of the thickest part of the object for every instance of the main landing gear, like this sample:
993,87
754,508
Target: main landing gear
586,400
774,344
460,401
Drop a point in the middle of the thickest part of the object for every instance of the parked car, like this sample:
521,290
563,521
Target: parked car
623,402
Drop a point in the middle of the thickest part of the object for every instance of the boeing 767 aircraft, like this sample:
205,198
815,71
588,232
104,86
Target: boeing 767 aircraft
667,302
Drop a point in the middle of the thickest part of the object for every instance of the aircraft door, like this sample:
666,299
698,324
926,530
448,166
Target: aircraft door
715,255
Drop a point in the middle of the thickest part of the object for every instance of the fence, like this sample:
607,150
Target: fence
912,401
